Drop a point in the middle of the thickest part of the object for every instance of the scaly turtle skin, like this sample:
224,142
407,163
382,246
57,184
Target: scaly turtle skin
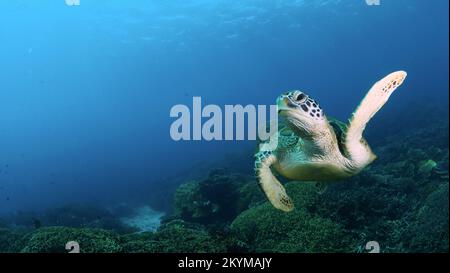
311,147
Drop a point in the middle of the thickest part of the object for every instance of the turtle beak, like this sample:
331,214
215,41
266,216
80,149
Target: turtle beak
283,104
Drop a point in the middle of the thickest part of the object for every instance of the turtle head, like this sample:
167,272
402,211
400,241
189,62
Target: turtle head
301,111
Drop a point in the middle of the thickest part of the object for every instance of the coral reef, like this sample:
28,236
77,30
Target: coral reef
390,200
176,236
218,199
143,242
430,229
401,201
161,196
12,241
267,229
54,239
179,236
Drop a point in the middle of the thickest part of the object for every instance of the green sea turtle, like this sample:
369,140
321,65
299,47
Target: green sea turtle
312,147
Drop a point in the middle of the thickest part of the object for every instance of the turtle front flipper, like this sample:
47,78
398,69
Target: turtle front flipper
372,102
273,189
377,96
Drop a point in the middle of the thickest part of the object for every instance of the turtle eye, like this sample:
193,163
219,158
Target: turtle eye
300,97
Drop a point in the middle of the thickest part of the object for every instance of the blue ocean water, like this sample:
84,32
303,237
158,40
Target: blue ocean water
85,91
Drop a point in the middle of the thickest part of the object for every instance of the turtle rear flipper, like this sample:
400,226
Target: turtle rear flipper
273,189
